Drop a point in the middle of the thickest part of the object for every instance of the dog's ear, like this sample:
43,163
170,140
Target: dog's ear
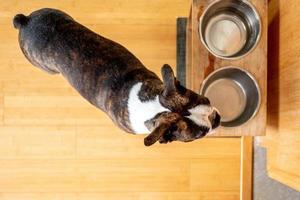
156,134
168,79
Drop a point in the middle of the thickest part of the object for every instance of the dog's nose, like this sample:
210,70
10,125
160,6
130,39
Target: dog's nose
215,119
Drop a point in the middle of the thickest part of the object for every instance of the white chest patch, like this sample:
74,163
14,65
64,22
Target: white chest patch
139,111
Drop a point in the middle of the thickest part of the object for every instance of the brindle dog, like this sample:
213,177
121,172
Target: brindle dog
114,80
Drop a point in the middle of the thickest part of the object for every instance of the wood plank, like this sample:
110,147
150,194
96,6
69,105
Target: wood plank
93,176
99,144
283,140
40,101
37,142
122,195
117,176
42,116
107,142
1,103
215,174
246,168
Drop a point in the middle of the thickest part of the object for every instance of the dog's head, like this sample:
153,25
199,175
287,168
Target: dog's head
191,116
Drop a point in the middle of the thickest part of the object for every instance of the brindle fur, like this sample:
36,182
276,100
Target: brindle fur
101,70
53,41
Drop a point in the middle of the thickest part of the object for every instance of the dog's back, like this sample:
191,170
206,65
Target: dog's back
101,70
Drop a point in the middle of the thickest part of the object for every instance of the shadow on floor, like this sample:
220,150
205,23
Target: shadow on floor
265,188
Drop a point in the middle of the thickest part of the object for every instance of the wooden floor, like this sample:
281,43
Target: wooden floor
55,145
283,139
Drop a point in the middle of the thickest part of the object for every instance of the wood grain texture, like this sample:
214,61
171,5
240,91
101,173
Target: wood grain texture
54,145
246,168
201,63
1,104
123,195
283,140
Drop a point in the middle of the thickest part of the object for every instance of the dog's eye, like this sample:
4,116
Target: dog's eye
204,129
185,113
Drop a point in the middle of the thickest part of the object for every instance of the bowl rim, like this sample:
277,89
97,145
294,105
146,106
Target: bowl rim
247,2
249,75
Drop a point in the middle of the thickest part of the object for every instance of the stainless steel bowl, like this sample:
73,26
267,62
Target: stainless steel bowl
230,29
234,92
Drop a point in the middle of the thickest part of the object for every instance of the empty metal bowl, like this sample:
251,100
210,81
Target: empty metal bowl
234,92
230,29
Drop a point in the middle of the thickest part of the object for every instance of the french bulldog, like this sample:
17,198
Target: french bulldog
111,78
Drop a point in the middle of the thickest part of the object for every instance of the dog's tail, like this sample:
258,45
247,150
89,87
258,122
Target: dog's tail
20,20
